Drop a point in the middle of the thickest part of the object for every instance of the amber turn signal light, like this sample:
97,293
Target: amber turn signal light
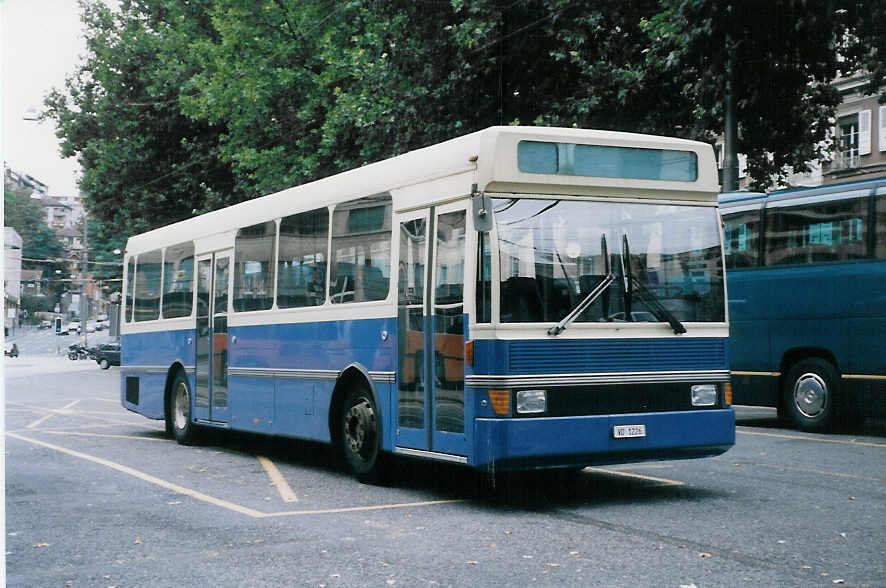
501,401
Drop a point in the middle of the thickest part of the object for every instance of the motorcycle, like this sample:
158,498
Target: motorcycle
78,351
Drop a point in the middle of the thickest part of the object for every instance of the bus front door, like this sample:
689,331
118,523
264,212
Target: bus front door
430,376
211,394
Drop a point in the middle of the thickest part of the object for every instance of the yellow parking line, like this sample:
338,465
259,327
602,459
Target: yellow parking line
278,480
806,438
820,472
103,435
217,501
661,481
46,417
296,513
144,477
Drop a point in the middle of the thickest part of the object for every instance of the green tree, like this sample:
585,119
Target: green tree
144,163
780,56
181,108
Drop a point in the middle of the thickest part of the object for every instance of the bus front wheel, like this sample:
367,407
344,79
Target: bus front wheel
809,394
178,413
360,435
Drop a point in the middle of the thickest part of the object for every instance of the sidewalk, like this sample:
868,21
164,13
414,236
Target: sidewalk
30,364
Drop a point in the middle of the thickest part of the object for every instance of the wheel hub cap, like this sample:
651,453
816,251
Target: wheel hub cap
182,408
810,395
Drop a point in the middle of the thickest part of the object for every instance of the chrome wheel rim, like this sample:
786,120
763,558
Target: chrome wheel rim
182,410
360,428
810,395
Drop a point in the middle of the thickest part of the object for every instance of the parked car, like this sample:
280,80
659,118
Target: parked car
107,354
45,325
71,327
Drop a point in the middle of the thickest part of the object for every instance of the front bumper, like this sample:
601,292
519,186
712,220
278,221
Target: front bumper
552,442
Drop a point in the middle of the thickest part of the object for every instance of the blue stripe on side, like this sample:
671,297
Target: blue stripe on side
327,345
579,441
158,348
568,356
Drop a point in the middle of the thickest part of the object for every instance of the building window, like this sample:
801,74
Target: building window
847,142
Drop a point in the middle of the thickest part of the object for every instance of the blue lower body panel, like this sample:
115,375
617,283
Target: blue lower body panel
528,443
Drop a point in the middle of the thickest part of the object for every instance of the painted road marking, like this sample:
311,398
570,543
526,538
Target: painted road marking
102,435
806,438
659,481
51,414
217,501
820,472
277,480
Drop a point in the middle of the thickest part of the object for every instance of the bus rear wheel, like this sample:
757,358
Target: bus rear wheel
360,435
810,394
178,413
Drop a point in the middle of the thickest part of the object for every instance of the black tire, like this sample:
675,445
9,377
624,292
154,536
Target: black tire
72,355
104,363
810,394
360,435
178,413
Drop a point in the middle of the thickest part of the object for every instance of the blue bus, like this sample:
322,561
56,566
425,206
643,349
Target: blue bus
807,301
517,298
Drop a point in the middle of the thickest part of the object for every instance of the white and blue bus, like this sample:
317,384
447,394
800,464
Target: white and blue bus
807,301
515,298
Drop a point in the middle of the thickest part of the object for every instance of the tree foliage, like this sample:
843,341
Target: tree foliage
181,108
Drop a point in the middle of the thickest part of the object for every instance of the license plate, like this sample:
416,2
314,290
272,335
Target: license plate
628,431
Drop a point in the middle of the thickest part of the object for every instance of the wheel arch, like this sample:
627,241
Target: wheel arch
353,373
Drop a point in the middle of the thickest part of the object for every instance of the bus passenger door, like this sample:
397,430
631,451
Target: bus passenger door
211,394
430,402
447,355
412,313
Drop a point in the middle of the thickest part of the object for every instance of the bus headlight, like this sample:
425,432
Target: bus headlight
531,401
704,395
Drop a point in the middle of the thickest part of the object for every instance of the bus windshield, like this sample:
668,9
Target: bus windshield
665,258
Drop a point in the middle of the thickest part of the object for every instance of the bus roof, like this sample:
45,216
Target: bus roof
487,158
729,199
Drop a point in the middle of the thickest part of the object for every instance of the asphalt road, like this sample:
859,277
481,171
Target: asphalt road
97,496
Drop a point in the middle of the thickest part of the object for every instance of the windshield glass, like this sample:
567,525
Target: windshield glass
550,256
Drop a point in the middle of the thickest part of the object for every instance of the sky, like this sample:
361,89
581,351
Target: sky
42,42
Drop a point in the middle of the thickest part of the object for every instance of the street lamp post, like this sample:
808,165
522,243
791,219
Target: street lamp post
84,289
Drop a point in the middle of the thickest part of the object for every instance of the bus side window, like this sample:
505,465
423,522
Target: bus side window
254,267
147,286
178,280
301,266
741,239
361,250
822,232
130,289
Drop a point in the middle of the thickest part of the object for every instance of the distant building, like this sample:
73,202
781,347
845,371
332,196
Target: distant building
32,282
859,134
12,278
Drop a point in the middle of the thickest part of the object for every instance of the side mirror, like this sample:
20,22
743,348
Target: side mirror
482,211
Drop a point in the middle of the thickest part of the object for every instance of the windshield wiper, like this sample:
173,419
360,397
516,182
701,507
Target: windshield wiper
632,284
591,297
